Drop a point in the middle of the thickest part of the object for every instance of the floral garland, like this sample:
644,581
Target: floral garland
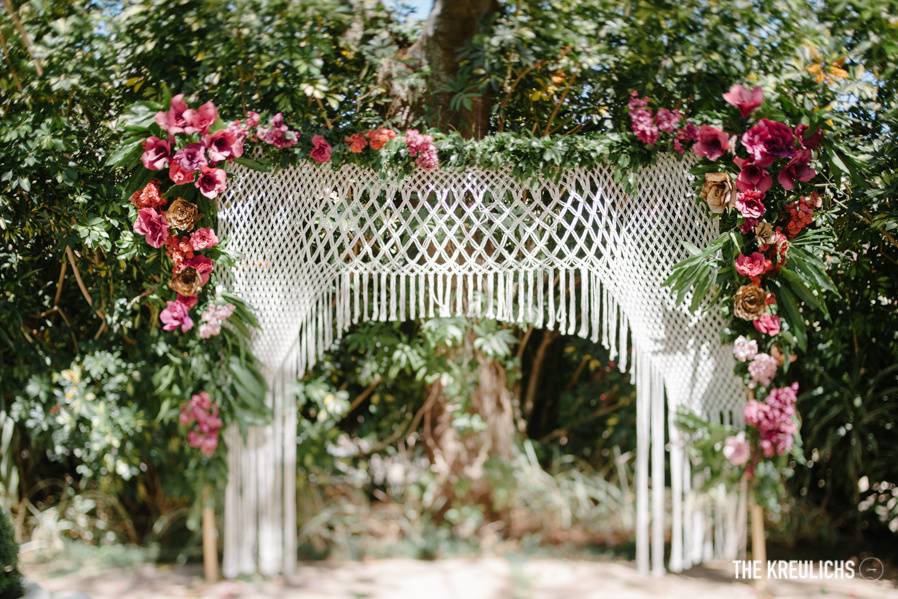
759,262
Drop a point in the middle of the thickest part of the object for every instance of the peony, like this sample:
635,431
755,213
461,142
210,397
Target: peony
176,316
148,197
718,192
191,157
753,265
356,143
224,144
178,175
797,169
762,369
768,141
203,266
750,203
211,182
156,153
746,100
173,121
744,349
186,281
378,138
752,176
152,225
321,150
203,239
749,302
768,324
711,142
199,120
182,214
736,449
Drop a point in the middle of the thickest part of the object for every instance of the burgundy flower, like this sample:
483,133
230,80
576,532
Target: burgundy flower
797,169
211,182
224,144
199,120
156,153
752,176
152,225
746,100
321,150
810,142
712,143
768,141
173,121
191,157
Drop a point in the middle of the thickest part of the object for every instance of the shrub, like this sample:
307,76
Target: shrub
10,578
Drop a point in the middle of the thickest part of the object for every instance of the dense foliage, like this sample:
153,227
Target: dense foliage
10,578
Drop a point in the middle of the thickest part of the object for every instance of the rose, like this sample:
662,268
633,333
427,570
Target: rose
152,225
356,143
148,197
182,214
199,120
321,150
186,281
173,121
711,142
211,182
753,265
752,176
156,153
176,315
718,192
178,175
223,145
797,169
202,239
750,302
749,203
769,140
736,449
191,157
746,100
768,324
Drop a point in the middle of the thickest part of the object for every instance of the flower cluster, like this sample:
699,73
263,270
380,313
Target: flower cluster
774,419
421,148
201,415
212,319
664,124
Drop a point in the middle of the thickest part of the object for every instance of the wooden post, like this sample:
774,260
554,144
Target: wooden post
210,537
758,543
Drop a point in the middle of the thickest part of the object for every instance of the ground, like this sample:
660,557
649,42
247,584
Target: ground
475,578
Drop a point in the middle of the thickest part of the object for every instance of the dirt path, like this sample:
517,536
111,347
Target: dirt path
481,578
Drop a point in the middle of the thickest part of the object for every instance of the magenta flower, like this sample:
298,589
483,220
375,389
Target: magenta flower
202,239
416,142
191,157
736,449
753,265
199,120
152,225
746,100
224,144
203,266
797,169
321,150
252,119
156,153
712,143
173,121
774,420
203,414
211,182
176,316
686,134
768,324
752,176
768,141
750,203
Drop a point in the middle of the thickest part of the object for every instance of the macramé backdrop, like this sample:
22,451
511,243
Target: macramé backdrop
319,249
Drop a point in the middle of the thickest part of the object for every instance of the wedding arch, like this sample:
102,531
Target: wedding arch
319,249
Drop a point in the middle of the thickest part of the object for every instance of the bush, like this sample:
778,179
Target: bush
10,578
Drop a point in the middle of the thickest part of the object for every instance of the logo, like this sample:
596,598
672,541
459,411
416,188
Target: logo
871,568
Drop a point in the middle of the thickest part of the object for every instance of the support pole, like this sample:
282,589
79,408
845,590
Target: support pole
758,543
210,537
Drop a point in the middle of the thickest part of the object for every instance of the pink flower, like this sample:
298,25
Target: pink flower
712,143
252,119
152,225
191,157
224,144
416,142
768,324
178,175
774,420
746,100
176,315
203,266
753,265
321,150
687,134
752,176
428,160
736,449
768,141
213,318
199,120
173,121
277,134
667,120
762,369
203,239
744,349
211,182
642,121
750,203
155,153
201,412
797,169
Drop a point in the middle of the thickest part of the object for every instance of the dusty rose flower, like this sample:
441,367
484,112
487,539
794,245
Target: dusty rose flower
203,266
186,281
768,141
148,197
191,157
378,138
176,316
746,100
178,175
712,143
173,121
762,369
224,144
182,215
321,150
768,324
211,182
744,349
151,224
750,302
718,192
199,120
156,153
752,266
356,143
797,169
202,239
736,449
750,203
752,176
